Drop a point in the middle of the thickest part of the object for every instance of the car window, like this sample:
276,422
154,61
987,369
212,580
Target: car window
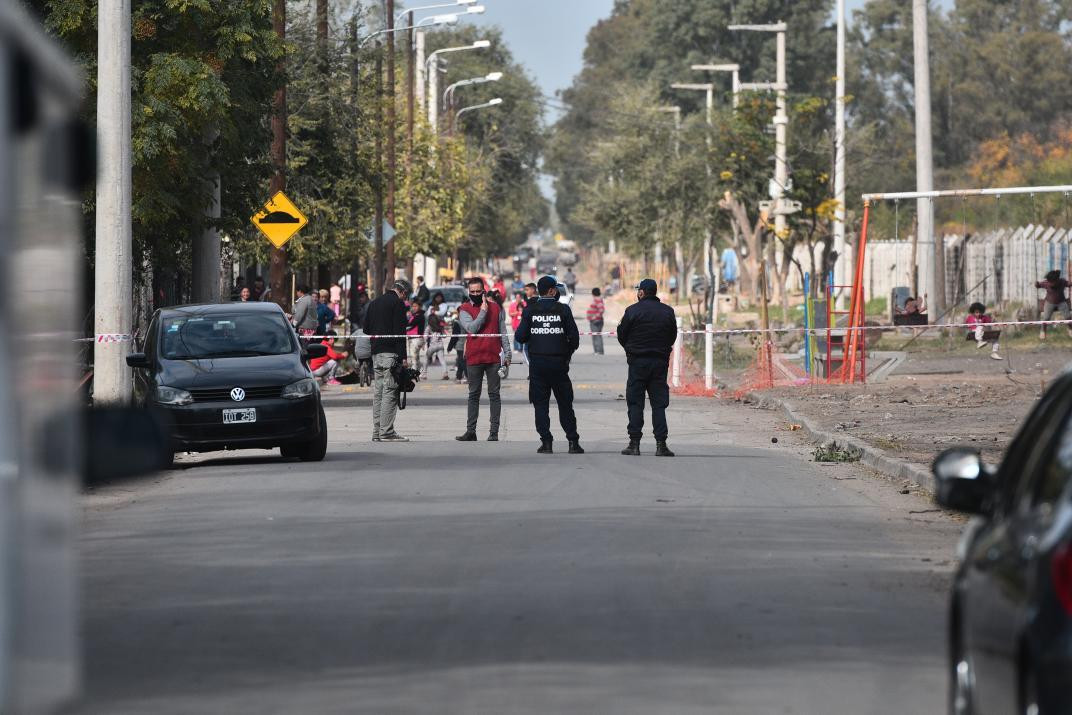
150,337
451,294
232,335
1054,474
1033,449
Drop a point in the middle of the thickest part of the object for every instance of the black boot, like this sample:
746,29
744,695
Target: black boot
545,447
661,450
575,447
493,437
633,450
467,437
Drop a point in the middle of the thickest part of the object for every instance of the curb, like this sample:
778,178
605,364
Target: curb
872,456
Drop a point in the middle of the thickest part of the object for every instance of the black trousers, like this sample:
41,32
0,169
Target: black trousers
549,375
647,375
459,365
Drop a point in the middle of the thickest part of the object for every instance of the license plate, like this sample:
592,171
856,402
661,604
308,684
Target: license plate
248,414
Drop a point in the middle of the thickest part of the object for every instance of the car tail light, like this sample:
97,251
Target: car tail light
1061,575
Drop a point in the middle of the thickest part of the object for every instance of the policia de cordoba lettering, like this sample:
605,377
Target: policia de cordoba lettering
549,331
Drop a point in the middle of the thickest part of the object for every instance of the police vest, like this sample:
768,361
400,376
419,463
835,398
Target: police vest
547,331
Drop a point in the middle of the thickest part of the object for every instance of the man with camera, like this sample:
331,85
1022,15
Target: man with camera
487,348
648,331
550,332
387,316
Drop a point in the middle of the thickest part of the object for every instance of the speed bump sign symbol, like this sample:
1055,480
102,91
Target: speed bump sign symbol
279,220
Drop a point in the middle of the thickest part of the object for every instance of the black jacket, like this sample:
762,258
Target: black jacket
386,316
648,329
549,329
421,296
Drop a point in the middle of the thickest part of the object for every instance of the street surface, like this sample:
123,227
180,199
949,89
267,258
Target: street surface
446,577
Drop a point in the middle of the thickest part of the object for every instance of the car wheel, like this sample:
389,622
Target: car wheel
315,449
1029,691
962,679
290,451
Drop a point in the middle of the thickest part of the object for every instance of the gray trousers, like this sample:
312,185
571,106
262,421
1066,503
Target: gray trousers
596,326
384,394
476,374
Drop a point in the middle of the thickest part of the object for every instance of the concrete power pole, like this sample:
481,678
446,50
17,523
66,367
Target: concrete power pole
932,269
206,247
112,313
781,125
844,260
420,70
392,154
277,270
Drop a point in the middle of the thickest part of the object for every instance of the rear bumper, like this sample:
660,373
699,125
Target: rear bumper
200,428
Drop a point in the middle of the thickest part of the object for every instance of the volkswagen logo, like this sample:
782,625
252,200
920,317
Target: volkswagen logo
238,394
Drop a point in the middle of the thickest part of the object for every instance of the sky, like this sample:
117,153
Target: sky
548,36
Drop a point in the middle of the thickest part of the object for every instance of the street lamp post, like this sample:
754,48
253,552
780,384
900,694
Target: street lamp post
709,89
432,70
448,94
734,69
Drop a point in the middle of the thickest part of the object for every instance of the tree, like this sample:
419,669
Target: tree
201,68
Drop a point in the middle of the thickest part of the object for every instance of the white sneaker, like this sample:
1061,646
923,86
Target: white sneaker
981,344
995,356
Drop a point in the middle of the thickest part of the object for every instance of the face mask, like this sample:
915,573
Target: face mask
475,298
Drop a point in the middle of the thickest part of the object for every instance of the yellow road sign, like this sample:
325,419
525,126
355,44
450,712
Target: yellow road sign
279,220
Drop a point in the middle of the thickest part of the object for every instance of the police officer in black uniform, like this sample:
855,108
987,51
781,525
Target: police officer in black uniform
648,331
549,331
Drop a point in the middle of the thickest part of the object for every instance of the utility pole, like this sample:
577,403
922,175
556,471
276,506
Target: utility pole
113,280
323,270
420,70
355,87
277,270
392,158
781,124
933,272
378,257
411,98
433,94
844,259
206,247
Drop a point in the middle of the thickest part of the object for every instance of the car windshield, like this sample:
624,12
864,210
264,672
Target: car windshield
234,335
451,294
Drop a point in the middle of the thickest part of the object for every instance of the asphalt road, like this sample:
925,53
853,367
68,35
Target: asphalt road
442,577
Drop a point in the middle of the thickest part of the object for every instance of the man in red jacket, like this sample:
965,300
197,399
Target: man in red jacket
487,347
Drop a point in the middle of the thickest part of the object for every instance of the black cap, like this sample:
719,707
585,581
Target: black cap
403,286
648,285
545,284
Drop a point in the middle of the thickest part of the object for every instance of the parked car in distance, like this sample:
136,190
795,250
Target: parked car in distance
232,376
565,296
1010,634
453,295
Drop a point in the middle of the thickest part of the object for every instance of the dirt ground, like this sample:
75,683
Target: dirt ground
941,396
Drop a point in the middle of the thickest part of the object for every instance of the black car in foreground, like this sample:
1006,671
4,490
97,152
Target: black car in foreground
1011,612
232,376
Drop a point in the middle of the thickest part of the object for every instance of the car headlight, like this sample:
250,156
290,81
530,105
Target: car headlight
172,396
305,387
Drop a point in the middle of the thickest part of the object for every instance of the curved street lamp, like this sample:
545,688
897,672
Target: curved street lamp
432,70
473,107
489,77
426,22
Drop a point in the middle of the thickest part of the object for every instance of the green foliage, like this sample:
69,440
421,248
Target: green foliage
504,143
202,79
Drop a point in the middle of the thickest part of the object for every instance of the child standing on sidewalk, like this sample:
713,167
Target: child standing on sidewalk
978,318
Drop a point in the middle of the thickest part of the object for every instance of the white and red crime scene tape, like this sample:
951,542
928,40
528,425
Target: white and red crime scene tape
122,337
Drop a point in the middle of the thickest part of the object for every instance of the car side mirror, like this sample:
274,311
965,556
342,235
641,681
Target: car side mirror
138,360
962,481
317,350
